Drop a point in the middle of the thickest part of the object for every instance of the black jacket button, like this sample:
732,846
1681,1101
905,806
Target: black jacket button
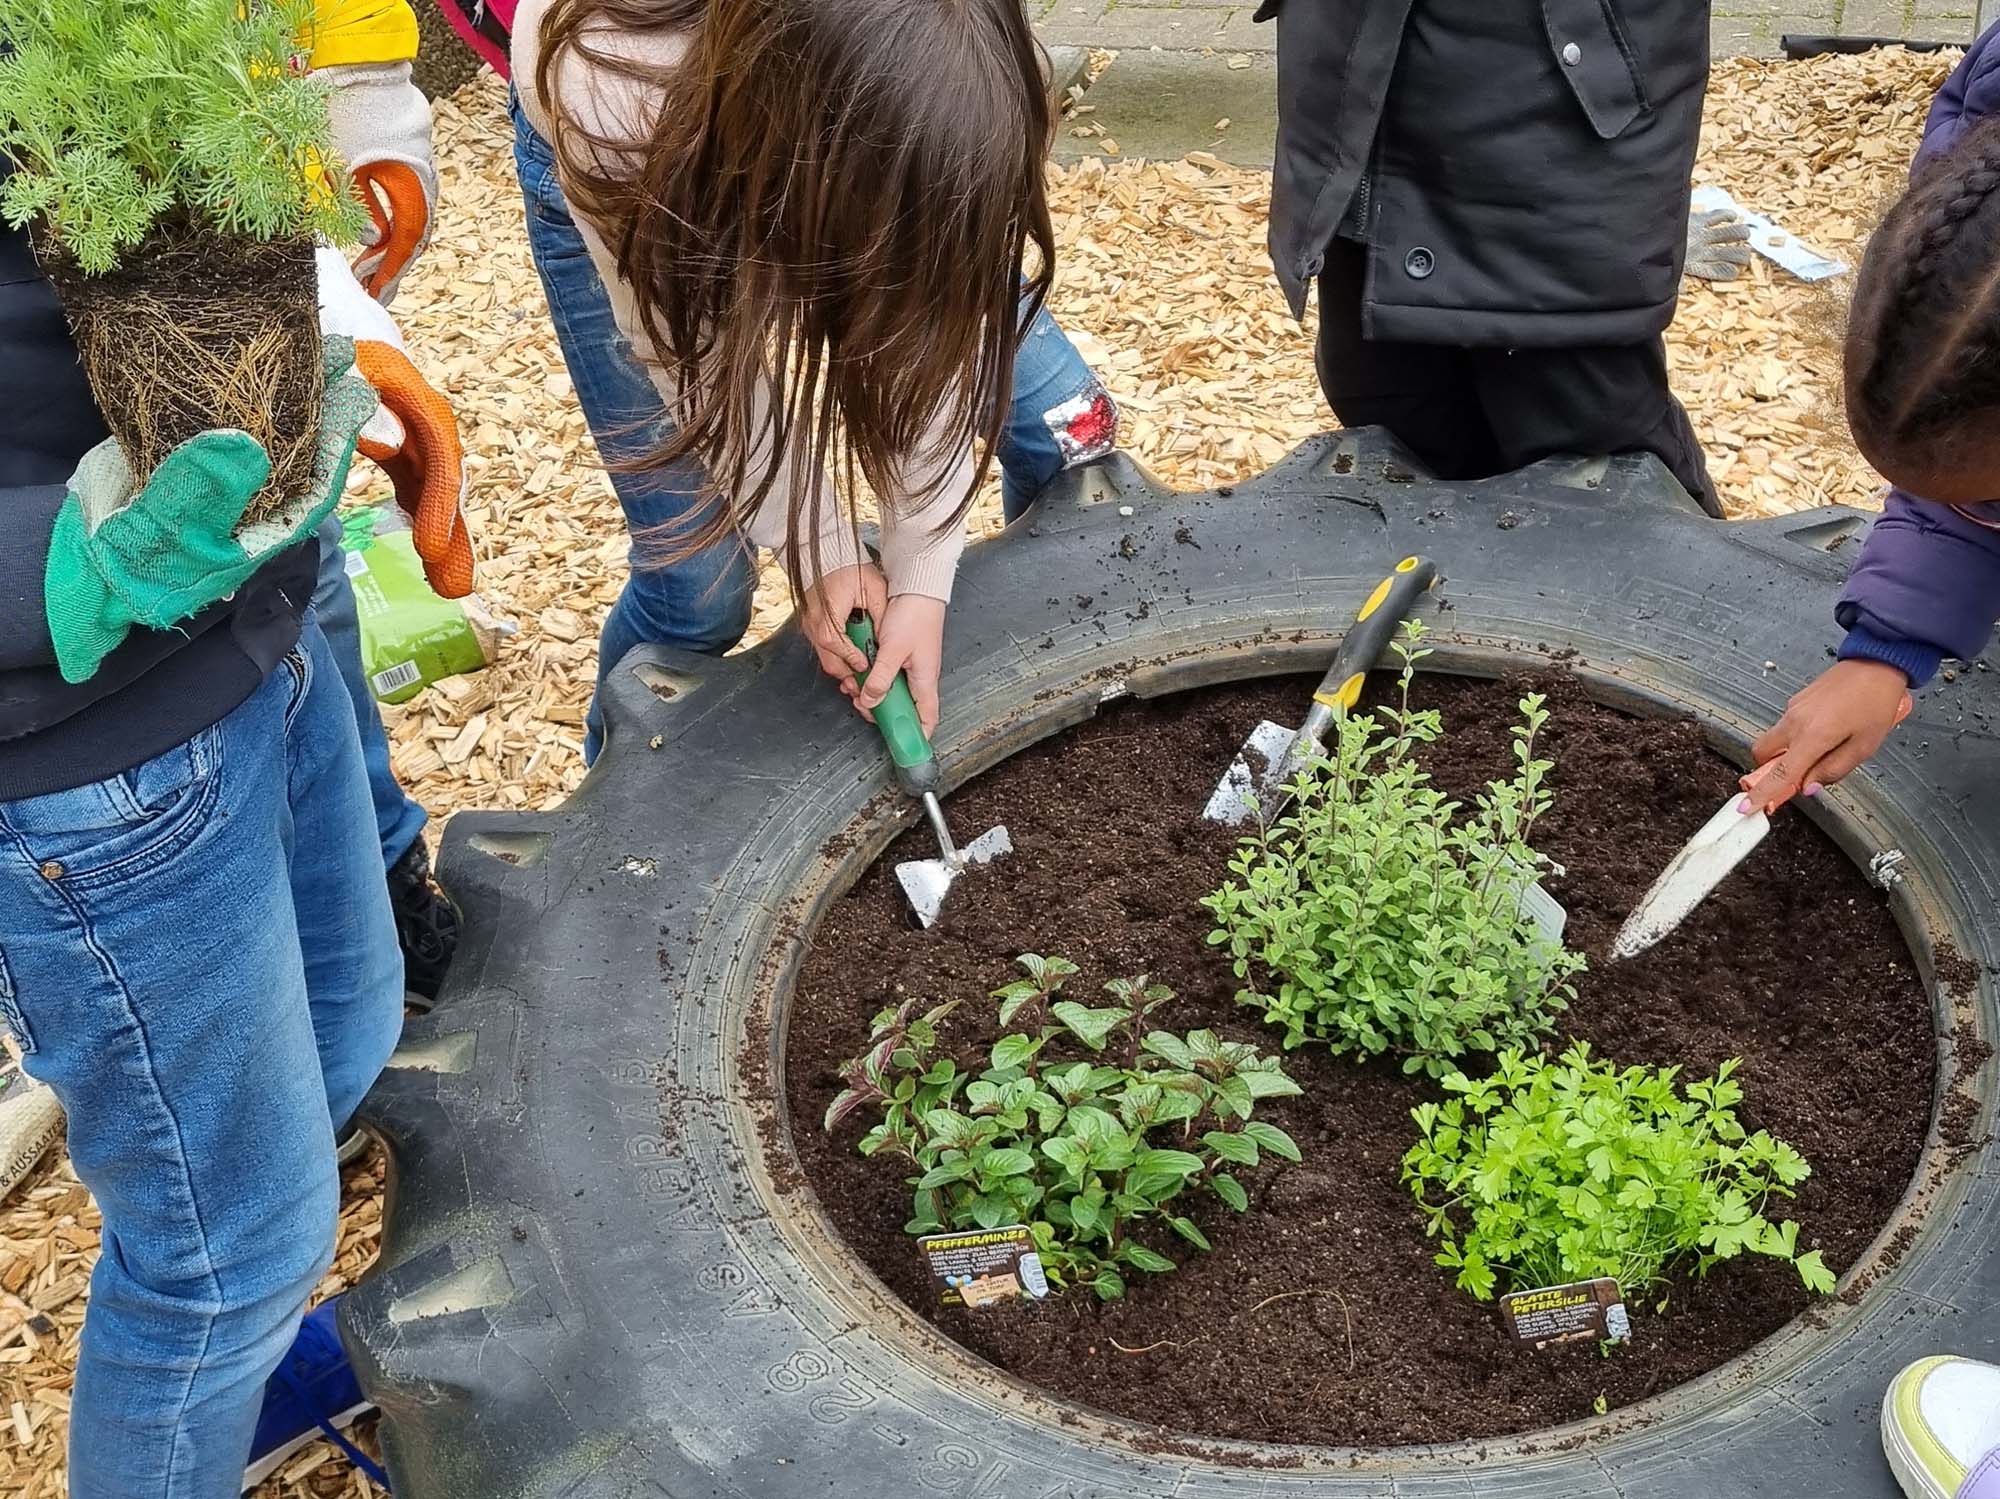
1419,263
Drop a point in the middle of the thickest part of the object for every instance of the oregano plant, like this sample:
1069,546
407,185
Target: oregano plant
1552,1171
116,114
1087,1123
1379,916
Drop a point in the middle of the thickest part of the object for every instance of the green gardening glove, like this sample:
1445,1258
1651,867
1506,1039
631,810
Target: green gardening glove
124,555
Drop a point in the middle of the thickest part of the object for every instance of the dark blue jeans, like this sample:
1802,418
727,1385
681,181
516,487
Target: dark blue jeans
1060,416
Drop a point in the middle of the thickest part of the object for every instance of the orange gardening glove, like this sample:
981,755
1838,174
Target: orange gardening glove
414,437
423,461
381,128
400,211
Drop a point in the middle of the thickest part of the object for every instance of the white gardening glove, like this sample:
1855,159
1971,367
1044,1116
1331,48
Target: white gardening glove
382,134
1718,245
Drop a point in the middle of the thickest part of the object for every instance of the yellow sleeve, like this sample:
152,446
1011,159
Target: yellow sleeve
346,32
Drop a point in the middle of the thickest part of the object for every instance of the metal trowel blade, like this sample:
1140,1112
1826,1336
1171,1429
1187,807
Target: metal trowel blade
1724,841
1242,790
925,881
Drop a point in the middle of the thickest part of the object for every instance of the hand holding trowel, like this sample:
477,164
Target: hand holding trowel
924,881
1707,859
1245,792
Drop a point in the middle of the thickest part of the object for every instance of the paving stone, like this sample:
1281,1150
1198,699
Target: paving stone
1161,105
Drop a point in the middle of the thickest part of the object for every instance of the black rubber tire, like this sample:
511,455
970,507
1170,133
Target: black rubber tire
590,1282
444,64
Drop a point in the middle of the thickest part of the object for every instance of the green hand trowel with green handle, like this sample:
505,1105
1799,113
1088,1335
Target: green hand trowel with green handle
924,881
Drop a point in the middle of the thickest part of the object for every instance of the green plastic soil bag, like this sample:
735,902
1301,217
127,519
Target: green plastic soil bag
409,636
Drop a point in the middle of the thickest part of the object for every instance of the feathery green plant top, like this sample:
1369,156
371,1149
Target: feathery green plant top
118,114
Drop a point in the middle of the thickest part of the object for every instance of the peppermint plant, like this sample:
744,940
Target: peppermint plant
1380,917
1087,1123
1551,1171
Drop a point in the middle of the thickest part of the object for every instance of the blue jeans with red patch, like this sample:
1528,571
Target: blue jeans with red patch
1061,416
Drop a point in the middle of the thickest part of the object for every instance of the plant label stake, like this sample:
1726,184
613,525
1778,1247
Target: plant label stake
1243,792
924,881
982,1267
1580,1311
1704,862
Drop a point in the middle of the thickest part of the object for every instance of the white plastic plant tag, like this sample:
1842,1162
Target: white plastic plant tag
1779,246
1032,1276
1544,910
1540,907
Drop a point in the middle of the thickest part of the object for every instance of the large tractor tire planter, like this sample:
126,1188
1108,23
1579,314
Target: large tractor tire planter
595,1280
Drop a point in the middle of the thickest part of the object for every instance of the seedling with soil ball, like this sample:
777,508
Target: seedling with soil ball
175,167
1549,1172
1082,1122
1374,918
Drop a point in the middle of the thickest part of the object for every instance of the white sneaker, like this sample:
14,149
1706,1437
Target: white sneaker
1941,1429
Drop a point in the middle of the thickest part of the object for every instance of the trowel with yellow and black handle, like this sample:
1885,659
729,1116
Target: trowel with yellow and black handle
1271,758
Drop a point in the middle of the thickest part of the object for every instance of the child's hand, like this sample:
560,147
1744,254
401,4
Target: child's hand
909,637
1829,728
823,617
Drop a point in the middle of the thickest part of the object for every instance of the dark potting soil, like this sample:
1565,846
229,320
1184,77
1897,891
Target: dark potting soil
1319,1316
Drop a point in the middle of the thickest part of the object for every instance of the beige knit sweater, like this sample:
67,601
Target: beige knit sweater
916,556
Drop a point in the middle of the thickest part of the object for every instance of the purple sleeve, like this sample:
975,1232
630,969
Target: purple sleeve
1926,586
1970,94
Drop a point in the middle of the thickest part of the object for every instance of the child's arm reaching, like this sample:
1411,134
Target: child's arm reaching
798,228
906,596
1927,586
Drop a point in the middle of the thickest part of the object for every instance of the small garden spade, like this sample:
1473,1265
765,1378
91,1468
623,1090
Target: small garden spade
924,881
1704,862
1245,792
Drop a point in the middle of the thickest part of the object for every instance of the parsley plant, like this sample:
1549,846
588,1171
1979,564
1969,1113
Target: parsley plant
1554,1171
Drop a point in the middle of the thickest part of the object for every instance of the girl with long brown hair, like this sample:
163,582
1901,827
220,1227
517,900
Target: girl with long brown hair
821,226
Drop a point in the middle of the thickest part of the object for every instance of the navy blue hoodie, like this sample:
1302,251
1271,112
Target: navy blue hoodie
161,687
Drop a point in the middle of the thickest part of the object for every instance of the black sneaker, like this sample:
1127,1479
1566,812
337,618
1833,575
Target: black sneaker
426,923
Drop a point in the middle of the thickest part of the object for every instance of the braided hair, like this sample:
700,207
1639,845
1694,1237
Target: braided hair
1923,335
